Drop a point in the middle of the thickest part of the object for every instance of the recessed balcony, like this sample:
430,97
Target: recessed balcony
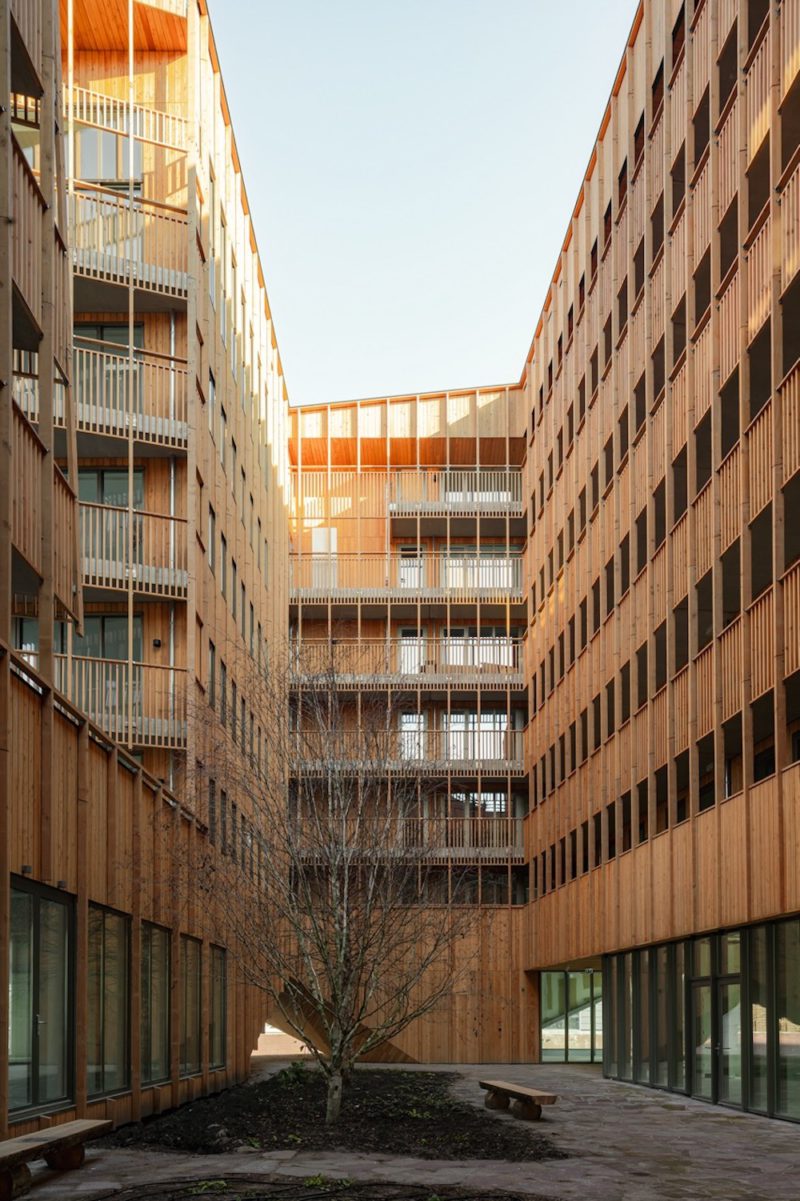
466,839
411,752
139,704
415,662
139,242
406,576
456,492
122,548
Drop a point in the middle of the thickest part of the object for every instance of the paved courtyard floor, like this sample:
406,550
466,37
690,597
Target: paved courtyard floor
624,1144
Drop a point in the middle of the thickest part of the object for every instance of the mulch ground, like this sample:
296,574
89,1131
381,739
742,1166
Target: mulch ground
313,1188
384,1111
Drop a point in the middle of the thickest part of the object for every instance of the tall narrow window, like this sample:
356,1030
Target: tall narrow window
155,992
217,1032
190,1005
107,1068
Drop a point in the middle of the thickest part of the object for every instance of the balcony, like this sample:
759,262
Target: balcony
144,243
122,549
109,112
26,248
466,839
411,752
410,662
144,395
425,575
483,491
138,704
27,454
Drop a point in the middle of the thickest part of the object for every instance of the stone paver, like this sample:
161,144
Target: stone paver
624,1144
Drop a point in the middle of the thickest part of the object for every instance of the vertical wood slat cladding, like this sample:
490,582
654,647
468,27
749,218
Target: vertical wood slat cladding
737,460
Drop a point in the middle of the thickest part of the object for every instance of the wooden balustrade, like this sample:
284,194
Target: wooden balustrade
677,106
28,18
636,202
701,35
660,727
411,752
729,329
144,243
425,662
464,837
680,559
658,423
114,396
759,445
679,413
27,453
109,112
139,704
637,357
759,294
431,492
729,499
657,306
656,157
704,530
122,549
728,165
678,258
658,573
701,212
621,245
791,620
26,245
425,575
730,652
790,404
702,372
65,567
790,43
757,95
790,227
704,674
62,331
680,709
762,644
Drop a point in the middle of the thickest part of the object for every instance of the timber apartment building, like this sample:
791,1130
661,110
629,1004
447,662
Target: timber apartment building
584,588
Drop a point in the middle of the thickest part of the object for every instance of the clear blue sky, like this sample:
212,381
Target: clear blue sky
411,168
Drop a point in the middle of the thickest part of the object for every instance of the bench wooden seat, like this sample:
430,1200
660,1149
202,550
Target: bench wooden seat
525,1103
62,1147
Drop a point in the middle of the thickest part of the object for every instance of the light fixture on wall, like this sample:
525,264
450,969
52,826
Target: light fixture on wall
27,870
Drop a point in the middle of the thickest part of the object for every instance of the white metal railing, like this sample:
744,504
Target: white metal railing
142,243
412,751
425,574
481,490
140,704
109,112
421,661
144,550
115,395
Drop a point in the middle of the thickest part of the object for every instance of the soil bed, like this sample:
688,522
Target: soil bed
313,1188
387,1112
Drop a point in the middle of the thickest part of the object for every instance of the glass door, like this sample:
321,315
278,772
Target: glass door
702,1042
730,1044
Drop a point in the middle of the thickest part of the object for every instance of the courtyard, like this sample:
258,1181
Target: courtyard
620,1143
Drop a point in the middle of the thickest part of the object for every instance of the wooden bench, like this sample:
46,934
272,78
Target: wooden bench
61,1147
525,1103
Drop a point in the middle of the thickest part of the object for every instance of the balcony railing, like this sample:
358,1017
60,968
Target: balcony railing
428,575
146,395
439,493
26,244
466,838
410,662
109,112
412,752
141,243
139,704
28,18
27,454
144,550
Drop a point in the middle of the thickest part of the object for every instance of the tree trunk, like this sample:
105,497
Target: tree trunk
334,1098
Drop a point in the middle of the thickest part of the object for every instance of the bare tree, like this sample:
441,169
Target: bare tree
346,924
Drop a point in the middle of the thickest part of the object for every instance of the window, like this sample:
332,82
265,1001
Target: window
223,565
190,1061
39,996
217,1032
212,674
155,994
108,1011
212,539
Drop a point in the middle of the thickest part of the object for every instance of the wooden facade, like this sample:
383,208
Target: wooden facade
144,430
